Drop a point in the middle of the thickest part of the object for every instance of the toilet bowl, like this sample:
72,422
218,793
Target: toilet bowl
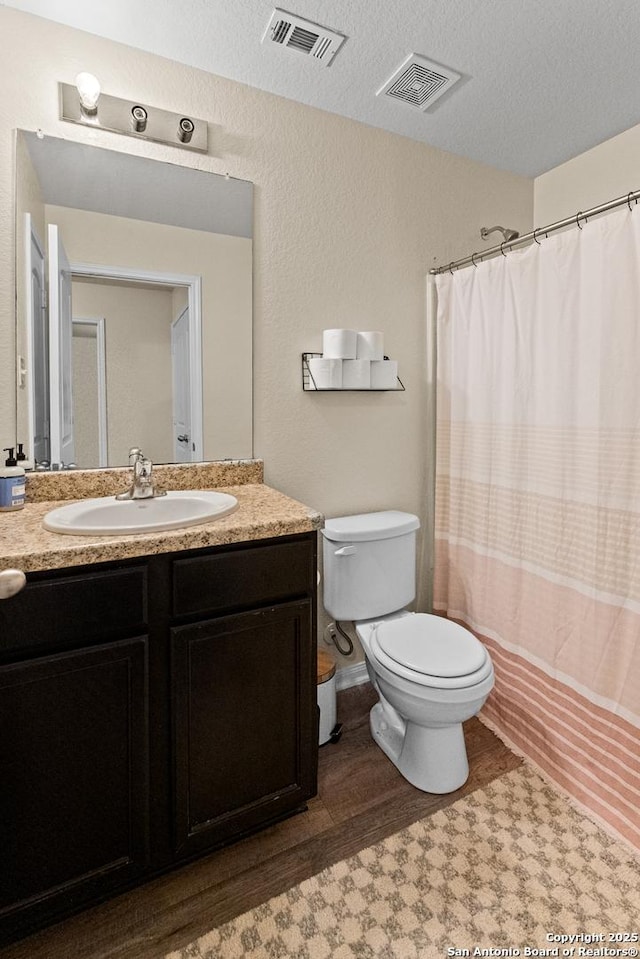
430,674
418,719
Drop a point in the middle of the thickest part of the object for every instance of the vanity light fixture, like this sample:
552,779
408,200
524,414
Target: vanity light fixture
85,104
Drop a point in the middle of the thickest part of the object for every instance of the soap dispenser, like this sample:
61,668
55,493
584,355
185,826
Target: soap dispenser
12,483
21,458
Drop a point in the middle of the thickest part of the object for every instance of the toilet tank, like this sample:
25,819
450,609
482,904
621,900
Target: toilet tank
369,564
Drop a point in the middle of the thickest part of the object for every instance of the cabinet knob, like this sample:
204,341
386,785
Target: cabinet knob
11,582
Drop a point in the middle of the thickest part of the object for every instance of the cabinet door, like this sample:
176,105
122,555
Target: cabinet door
73,794
244,722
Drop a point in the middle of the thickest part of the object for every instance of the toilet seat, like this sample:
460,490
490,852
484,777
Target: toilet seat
430,651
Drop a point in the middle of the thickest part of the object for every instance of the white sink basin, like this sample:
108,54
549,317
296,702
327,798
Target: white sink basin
107,516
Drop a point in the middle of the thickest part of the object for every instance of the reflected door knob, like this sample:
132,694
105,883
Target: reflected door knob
11,582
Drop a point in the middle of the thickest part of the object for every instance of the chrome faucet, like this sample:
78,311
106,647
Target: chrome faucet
143,486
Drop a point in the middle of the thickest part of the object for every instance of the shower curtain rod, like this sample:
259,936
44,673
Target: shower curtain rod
633,196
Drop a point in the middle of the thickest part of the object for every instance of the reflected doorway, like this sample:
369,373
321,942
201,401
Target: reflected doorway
145,383
134,372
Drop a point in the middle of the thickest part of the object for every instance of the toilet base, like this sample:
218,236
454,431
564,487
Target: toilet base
432,758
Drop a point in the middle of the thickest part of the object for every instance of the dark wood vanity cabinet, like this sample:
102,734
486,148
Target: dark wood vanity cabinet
74,777
150,710
239,745
243,689
74,741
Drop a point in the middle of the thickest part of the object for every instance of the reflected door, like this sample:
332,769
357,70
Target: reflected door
182,445
60,351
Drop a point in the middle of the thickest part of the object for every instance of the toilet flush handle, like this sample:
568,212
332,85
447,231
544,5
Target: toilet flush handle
346,551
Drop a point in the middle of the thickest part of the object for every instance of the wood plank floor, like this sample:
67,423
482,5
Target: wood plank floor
361,799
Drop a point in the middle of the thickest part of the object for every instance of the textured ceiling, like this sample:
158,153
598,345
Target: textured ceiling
542,80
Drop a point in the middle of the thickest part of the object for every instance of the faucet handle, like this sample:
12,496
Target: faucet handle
135,454
146,477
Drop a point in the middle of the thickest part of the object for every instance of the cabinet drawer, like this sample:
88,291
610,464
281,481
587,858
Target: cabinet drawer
60,611
237,579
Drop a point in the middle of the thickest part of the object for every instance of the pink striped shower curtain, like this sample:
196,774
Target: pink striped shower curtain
537,545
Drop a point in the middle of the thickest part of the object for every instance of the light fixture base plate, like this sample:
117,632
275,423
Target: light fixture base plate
114,114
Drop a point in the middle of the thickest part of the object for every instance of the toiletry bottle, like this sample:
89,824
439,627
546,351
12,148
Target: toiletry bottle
12,483
21,458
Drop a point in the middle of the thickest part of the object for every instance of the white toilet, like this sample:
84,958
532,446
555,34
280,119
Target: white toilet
430,674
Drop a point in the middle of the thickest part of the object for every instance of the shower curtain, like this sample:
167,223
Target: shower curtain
537,514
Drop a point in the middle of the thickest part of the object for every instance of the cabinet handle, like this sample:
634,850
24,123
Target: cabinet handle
11,582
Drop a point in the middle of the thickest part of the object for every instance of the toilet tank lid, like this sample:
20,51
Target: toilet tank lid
369,526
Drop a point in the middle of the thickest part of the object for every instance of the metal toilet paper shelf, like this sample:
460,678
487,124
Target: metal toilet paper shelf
309,383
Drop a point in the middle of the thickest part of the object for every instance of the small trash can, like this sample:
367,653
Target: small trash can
326,697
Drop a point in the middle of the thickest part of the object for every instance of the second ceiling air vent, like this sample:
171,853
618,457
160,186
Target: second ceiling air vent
304,36
419,82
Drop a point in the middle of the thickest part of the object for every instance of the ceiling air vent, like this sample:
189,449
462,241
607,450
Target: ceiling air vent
419,82
295,33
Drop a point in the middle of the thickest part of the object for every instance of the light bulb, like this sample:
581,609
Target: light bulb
89,91
139,117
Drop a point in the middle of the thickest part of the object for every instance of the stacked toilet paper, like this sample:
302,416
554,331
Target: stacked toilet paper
352,361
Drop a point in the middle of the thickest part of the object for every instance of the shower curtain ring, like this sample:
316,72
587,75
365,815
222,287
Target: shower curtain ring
473,260
630,194
578,215
501,248
535,238
450,270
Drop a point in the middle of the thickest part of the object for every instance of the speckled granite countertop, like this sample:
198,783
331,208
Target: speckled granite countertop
262,513
80,484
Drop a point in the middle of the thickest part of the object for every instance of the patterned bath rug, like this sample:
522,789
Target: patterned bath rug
508,870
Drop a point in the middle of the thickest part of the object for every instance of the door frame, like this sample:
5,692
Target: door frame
193,284
60,366
26,365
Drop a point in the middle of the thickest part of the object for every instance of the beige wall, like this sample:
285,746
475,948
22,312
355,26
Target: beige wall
85,384
607,171
348,220
27,200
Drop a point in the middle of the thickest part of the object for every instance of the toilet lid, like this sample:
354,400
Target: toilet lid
431,645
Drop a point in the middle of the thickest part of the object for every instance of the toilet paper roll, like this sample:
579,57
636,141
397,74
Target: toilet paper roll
384,375
326,373
370,346
339,344
356,374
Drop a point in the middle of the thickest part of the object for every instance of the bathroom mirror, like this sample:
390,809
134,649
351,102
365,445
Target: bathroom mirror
133,307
